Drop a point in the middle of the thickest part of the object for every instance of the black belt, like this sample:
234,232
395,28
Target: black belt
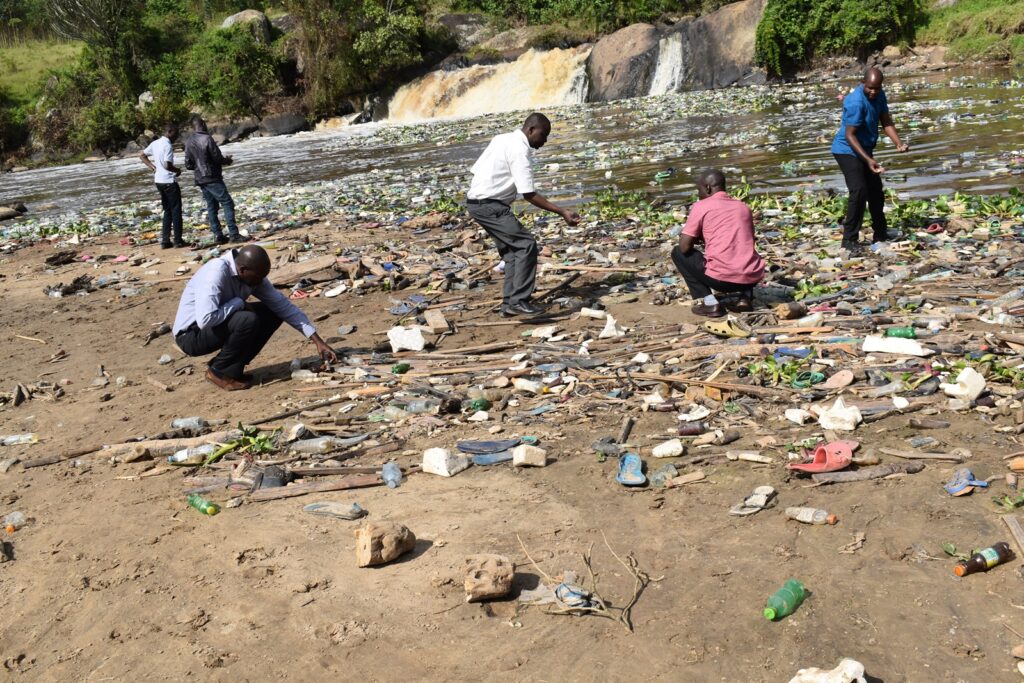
485,201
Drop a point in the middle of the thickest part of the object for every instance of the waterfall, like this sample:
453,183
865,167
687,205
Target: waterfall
535,80
668,74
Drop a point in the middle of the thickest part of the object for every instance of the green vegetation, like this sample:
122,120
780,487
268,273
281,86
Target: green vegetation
793,32
23,66
978,29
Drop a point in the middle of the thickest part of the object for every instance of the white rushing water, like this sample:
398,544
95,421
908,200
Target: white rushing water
668,74
535,80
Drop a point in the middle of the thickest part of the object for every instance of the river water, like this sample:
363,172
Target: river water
965,128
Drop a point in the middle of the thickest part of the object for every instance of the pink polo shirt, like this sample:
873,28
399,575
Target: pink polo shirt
727,227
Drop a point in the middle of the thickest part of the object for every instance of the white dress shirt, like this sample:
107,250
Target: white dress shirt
504,169
161,153
215,292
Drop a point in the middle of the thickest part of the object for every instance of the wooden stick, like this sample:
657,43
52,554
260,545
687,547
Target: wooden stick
866,473
1013,523
54,459
591,269
561,285
159,447
290,413
354,482
913,455
724,386
21,336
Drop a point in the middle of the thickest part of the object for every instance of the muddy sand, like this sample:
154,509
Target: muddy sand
115,578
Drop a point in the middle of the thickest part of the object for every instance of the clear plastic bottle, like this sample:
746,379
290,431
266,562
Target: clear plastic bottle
321,444
192,456
811,515
391,473
14,521
188,423
18,439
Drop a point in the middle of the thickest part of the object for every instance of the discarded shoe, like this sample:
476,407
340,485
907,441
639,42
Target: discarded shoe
963,483
762,498
828,457
336,510
701,308
631,470
730,327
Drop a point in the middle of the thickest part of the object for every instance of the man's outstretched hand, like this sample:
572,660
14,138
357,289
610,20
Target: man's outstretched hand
327,354
572,218
903,147
875,167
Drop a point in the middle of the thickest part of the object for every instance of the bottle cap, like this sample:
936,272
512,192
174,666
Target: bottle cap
960,569
831,519
769,614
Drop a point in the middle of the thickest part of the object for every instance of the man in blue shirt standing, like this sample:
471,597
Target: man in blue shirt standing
854,148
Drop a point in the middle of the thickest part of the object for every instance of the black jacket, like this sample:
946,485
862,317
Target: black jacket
203,156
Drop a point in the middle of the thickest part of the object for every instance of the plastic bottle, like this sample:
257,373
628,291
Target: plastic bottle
14,521
321,444
204,506
188,423
785,600
811,515
391,474
983,560
422,405
692,429
400,368
192,456
475,404
18,439
902,332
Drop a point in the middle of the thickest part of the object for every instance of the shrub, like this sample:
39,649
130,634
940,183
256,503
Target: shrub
230,72
792,32
978,29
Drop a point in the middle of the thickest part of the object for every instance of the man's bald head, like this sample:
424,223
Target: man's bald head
709,182
252,263
873,82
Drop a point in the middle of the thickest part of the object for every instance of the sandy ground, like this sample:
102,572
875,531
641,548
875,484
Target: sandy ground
116,579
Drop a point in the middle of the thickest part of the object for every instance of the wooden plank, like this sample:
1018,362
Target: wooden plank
354,482
436,321
1013,523
61,457
293,272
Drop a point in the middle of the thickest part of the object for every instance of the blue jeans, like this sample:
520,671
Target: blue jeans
216,196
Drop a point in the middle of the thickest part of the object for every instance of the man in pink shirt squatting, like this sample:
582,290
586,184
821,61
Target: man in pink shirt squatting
729,262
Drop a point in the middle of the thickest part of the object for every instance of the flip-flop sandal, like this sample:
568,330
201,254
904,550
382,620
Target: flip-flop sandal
481,447
730,327
631,470
299,294
828,457
762,498
934,229
485,459
963,483
807,378
336,510
572,595
841,379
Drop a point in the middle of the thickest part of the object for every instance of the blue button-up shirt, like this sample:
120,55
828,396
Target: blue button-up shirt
864,114
215,292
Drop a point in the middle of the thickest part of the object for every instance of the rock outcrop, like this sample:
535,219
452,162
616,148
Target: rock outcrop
622,64
255,20
283,124
467,29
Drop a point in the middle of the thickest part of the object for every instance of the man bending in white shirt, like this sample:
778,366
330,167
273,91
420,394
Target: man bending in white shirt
502,171
213,314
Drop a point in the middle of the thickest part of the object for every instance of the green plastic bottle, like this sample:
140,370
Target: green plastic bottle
203,505
400,368
902,332
785,600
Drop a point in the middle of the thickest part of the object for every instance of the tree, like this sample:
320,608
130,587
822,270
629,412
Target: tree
109,27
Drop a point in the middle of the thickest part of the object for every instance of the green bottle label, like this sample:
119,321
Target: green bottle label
991,557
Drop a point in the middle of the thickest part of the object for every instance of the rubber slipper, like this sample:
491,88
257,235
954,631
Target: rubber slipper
934,229
730,327
762,498
963,483
485,459
571,595
299,294
807,378
336,510
480,447
828,457
843,378
631,470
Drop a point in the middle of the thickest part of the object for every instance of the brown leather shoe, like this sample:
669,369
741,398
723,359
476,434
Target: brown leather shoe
225,383
742,305
703,309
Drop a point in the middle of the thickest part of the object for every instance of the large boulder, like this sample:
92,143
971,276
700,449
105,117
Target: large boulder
622,64
6,213
286,23
283,124
467,29
254,20
718,48
230,131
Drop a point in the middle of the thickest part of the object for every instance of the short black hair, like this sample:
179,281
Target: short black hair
536,120
197,122
712,177
170,128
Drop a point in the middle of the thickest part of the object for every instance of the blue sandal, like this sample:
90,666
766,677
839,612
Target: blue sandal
963,482
631,470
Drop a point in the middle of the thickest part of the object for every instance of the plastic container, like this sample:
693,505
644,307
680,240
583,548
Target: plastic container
400,368
14,521
202,505
901,332
983,560
785,600
321,444
391,473
188,423
192,456
18,439
692,429
811,515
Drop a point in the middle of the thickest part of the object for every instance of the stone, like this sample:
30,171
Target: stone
515,41
7,213
382,543
336,122
622,64
467,29
406,339
252,19
488,576
283,124
286,23
443,462
145,99
892,52
525,455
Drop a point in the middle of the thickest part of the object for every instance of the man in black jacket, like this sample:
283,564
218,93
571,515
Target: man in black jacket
203,156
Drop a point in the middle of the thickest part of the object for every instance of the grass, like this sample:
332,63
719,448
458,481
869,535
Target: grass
978,29
23,66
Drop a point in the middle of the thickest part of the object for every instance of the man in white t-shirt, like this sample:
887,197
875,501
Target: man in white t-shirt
504,170
159,157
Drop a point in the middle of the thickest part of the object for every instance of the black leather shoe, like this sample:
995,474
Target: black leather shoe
180,244
520,309
703,309
221,239
742,305
239,239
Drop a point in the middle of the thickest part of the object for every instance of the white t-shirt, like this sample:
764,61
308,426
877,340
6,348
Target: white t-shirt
504,169
161,153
